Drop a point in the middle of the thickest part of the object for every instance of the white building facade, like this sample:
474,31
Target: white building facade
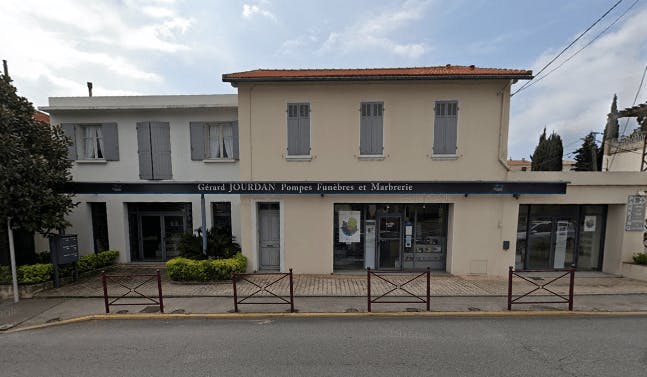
143,140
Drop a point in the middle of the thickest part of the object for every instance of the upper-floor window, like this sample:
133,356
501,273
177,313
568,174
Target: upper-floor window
371,129
298,129
214,140
97,141
445,128
91,142
221,141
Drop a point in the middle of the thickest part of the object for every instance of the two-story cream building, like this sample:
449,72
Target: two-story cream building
124,147
404,169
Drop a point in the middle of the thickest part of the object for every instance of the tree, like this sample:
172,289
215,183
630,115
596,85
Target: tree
33,166
548,153
586,157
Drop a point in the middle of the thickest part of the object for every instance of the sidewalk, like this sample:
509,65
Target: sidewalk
339,293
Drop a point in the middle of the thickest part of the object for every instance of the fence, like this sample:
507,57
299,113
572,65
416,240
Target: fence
121,280
264,287
397,286
539,287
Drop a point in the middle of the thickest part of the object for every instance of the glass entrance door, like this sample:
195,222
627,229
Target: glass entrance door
390,242
159,236
150,244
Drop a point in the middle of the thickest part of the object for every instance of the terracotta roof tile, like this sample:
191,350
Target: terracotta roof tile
41,116
440,72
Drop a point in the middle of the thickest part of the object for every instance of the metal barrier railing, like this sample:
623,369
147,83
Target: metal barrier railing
538,287
132,288
397,287
263,289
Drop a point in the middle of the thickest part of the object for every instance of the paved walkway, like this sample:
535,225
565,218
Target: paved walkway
338,293
347,285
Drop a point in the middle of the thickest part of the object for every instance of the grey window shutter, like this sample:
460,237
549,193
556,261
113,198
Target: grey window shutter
69,130
293,129
365,130
371,129
144,150
377,144
197,130
451,134
234,132
445,128
304,129
110,141
161,150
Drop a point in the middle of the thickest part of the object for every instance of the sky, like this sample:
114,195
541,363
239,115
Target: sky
157,47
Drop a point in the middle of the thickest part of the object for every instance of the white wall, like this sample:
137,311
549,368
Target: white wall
126,112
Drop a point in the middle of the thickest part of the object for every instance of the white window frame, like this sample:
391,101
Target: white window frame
221,139
96,139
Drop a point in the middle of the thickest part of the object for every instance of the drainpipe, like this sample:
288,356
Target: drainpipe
204,225
251,154
502,161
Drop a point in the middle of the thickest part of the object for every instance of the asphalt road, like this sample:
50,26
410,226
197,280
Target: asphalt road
362,346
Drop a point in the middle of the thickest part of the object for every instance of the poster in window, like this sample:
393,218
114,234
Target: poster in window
349,223
589,223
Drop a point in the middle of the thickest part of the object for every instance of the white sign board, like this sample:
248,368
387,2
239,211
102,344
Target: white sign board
635,213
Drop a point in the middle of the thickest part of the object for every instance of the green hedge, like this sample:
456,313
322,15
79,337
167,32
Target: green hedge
5,275
640,258
28,274
41,272
35,273
95,261
183,269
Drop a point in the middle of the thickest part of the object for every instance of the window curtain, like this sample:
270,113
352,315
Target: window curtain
99,136
228,141
88,142
214,141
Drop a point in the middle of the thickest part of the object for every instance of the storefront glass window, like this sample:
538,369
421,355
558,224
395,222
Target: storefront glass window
390,236
349,227
559,236
591,230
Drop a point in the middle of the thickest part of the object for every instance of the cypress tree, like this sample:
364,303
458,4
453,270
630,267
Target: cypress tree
586,157
548,153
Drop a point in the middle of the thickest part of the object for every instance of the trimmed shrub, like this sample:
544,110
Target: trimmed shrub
95,261
5,275
220,244
35,273
640,258
184,269
40,272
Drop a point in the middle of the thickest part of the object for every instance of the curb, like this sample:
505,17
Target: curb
502,314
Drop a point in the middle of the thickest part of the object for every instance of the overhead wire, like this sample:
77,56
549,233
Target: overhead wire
582,48
567,47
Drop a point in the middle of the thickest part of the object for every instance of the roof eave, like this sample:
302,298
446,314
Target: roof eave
235,80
